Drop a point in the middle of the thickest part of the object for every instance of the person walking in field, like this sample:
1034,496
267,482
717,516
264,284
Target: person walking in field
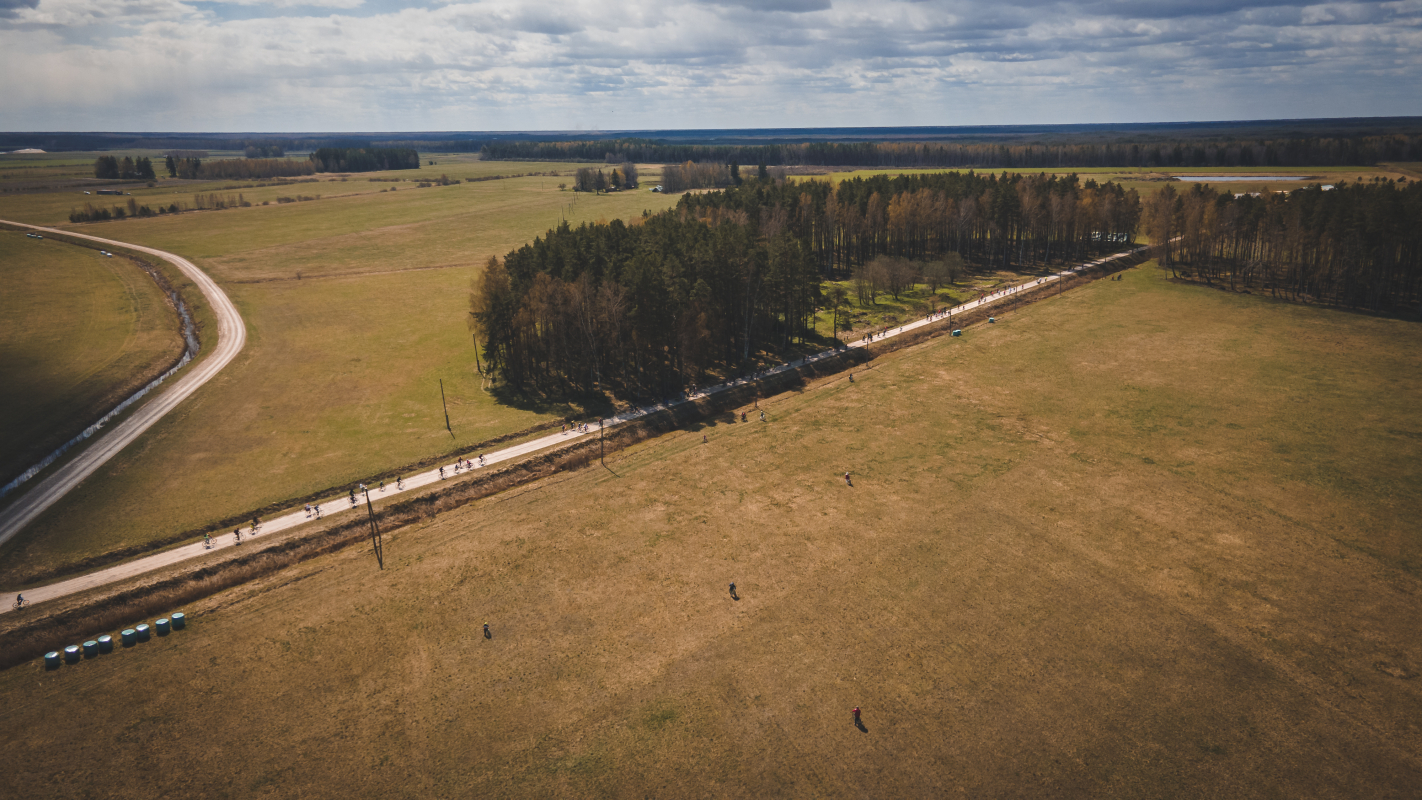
733,591
855,711
847,481
487,634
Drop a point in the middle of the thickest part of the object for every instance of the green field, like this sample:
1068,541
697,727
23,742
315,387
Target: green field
78,333
355,306
1139,540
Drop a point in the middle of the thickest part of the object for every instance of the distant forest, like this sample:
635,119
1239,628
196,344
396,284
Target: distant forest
1358,245
647,308
1221,152
364,159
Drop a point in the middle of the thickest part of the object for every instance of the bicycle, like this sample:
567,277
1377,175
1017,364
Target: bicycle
20,603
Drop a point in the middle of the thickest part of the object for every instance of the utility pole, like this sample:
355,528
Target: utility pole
446,407
601,448
375,539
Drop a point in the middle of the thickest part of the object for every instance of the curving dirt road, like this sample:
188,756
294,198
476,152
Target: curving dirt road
231,337
340,504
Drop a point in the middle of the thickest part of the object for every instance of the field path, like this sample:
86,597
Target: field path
231,337
341,504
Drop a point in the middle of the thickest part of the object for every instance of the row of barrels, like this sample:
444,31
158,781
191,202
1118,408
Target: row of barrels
105,644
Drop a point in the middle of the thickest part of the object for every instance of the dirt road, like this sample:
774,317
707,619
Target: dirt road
231,337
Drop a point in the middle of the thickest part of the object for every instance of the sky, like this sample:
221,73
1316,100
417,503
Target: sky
404,65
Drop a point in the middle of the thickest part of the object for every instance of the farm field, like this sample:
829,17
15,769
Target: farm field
78,333
1140,540
355,307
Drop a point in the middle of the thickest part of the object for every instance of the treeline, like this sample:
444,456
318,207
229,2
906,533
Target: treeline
646,309
209,201
126,168
254,168
364,159
587,179
264,151
189,168
694,175
1000,220
1358,245
1316,151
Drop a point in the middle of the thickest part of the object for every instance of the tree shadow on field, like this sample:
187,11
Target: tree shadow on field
566,404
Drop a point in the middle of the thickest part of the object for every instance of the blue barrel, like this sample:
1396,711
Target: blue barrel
106,644
992,319
179,621
142,631
129,637
958,332
51,660
91,649
71,654
162,626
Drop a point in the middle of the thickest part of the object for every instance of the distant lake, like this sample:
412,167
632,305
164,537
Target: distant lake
1255,178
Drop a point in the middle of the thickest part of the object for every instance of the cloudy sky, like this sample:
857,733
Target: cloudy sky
391,65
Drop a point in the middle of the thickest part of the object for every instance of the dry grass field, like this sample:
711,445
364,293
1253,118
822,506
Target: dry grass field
1140,540
78,333
355,306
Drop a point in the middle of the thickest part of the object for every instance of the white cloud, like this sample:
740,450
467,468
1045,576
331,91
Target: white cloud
345,4
380,65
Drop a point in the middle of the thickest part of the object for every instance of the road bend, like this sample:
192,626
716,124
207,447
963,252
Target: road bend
341,504
231,337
